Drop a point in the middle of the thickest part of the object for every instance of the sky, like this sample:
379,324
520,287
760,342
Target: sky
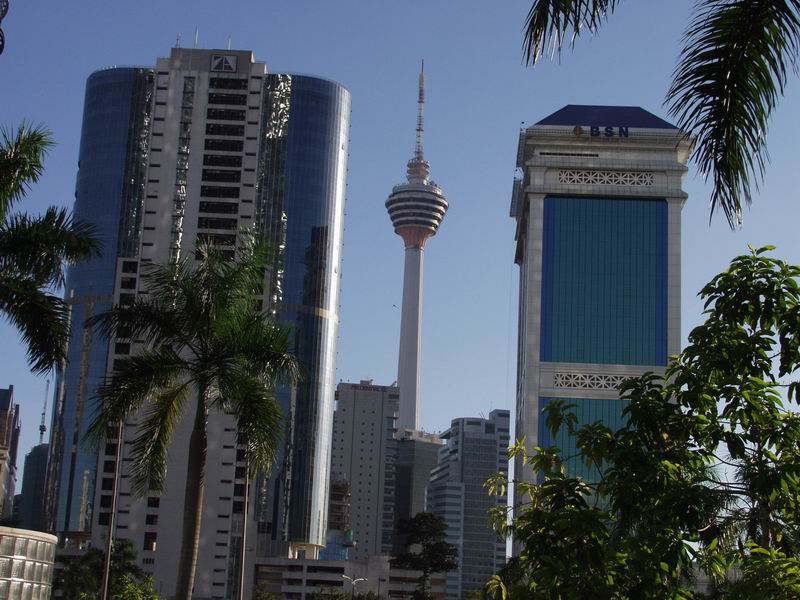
479,93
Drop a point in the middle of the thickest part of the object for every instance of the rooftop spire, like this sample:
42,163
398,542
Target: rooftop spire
418,154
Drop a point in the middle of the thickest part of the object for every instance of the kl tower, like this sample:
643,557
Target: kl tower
416,209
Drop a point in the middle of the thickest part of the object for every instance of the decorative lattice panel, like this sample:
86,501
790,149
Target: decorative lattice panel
594,177
588,381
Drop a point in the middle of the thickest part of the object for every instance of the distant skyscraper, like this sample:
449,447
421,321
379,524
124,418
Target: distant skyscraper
34,484
598,211
363,455
203,145
474,450
416,209
9,440
417,455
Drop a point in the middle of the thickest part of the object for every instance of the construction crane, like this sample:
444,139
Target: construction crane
42,426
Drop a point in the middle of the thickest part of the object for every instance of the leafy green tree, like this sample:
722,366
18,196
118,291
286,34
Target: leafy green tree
35,250
735,63
208,343
703,475
82,577
427,550
329,593
261,592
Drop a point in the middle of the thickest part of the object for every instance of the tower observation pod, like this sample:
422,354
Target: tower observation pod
416,209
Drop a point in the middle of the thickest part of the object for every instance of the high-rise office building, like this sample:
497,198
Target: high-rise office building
205,144
363,455
416,209
474,450
598,212
109,194
34,485
9,440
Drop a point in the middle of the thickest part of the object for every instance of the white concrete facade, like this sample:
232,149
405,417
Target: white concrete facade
177,147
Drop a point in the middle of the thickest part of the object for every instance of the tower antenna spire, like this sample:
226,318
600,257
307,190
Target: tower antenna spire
42,426
418,154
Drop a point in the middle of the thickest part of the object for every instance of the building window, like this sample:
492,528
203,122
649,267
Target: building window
224,129
212,191
130,266
211,223
228,208
151,520
222,176
103,518
225,114
222,160
221,83
224,145
150,539
153,502
230,99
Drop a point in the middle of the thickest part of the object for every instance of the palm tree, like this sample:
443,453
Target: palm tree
208,344
35,250
730,75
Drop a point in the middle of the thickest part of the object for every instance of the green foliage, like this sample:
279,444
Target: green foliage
35,250
82,578
732,70
260,592
704,475
427,550
329,593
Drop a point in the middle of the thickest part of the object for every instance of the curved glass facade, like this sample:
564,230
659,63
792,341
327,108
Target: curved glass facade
109,194
300,209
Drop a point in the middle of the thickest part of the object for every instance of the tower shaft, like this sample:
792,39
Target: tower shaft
408,367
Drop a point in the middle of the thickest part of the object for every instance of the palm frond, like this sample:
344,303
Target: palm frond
732,70
134,380
154,436
153,323
41,319
259,421
263,347
40,247
551,22
21,161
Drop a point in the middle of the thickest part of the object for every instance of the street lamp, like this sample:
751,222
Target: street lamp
353,582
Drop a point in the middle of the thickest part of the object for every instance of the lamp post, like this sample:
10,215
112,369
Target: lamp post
353,582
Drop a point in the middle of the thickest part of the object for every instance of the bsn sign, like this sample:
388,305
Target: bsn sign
598,131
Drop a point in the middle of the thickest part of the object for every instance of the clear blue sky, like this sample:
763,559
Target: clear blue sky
478,93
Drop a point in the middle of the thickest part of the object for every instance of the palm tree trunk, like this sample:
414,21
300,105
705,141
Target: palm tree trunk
193,501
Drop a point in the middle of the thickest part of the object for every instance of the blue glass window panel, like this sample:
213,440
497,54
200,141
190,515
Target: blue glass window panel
588,411
604,281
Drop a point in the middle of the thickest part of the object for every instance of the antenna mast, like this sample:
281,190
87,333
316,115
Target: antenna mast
42,426
418,155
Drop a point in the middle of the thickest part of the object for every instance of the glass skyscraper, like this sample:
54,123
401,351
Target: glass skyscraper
200,146
300,206
597,205
109,194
